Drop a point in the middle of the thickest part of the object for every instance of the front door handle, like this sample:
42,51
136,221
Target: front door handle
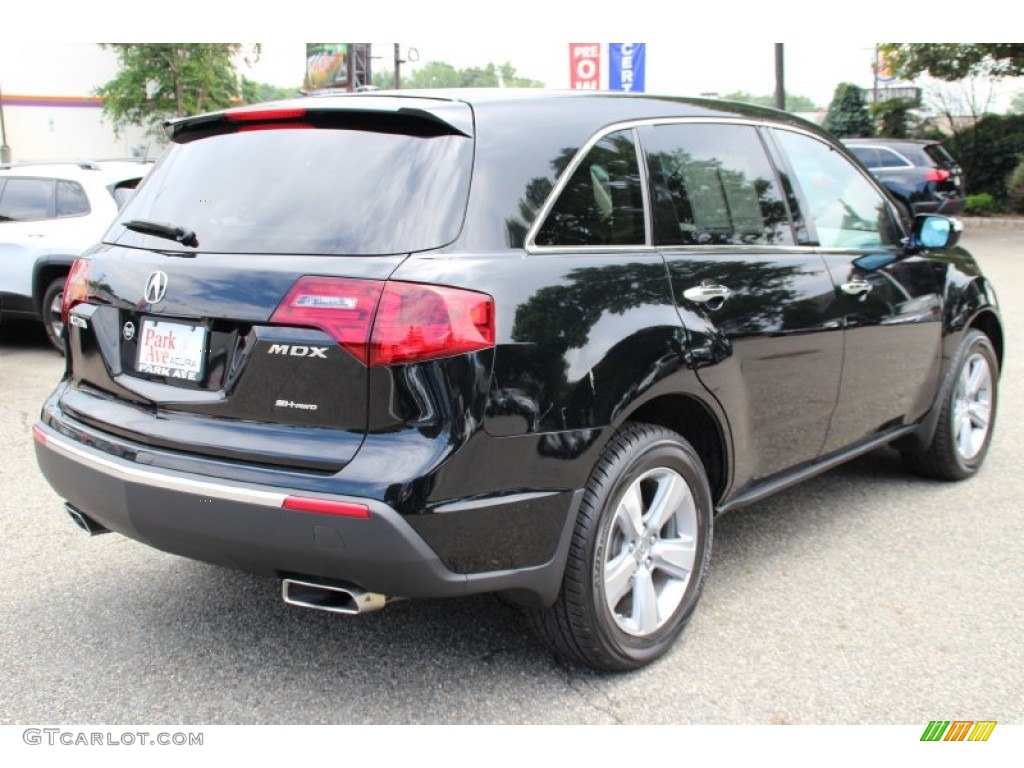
706,292
856,287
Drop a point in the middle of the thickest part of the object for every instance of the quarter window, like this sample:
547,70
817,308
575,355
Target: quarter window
71,199
846,209
603,202
713,185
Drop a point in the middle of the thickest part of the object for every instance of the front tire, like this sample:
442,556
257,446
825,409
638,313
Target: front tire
51,305
969,398
639,554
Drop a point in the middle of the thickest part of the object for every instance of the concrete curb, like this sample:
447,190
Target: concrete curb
991,222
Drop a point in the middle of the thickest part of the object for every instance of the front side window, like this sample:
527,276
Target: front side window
26,200
845,208
603,202
714,185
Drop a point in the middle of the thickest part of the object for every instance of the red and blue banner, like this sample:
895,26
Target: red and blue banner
626,66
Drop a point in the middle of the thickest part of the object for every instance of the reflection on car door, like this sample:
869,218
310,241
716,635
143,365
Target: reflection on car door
763,317
891,305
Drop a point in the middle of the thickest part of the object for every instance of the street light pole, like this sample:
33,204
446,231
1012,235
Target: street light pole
780,77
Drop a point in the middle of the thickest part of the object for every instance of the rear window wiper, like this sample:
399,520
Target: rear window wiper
182,235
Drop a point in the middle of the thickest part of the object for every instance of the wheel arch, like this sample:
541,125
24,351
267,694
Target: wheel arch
987,322
46,271
700,425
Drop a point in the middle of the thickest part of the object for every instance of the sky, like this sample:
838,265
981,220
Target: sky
692,48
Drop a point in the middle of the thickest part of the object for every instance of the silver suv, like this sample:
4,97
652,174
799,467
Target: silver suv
49,214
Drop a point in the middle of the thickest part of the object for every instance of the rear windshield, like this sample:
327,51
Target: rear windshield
938,153
306,191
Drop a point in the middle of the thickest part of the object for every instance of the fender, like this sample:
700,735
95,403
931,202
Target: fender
45,269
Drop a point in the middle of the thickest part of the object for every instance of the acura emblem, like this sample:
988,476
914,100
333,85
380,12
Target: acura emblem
156,287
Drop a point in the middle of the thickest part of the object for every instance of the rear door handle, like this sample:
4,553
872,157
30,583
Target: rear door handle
856,287
705,293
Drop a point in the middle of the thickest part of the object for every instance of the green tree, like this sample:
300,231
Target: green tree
794,102
157,81
439,74
254,93
955,61
893,117
847,114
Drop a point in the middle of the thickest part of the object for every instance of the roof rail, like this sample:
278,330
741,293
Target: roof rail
85,165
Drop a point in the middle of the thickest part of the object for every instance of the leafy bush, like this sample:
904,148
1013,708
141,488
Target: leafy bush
1015,187
989,151
980,205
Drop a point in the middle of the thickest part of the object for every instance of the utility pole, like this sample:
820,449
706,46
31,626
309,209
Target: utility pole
5,151
398,67
780,77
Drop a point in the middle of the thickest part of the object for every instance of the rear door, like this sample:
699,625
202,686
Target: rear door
765,326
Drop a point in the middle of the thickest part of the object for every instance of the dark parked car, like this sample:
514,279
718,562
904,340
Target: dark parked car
437,344
920,173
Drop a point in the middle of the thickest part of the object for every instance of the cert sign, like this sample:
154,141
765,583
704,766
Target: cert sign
585,66
174,350
626,66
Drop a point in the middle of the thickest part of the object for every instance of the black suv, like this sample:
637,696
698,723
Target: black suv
435,344
920,173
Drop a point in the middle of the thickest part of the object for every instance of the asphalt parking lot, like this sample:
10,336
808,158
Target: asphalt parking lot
864,596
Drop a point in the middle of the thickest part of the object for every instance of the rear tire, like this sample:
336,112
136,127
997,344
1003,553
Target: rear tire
969,398
50,313
639,554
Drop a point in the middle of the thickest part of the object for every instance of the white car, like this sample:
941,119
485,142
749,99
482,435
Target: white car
49,214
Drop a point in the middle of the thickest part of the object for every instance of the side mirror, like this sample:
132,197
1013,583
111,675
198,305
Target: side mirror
935,232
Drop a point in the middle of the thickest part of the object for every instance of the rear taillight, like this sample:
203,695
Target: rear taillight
420,322
76,288
390,323
341,308
936,174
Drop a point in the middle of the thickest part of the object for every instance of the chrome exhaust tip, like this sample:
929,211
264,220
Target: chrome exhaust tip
331,597
84,522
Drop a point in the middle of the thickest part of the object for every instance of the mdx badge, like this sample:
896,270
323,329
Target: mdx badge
298,350
156,287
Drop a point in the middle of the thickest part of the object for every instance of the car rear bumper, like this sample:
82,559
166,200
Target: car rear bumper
245,526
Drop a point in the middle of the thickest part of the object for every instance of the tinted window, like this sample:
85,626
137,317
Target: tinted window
26,199
867,155
603,202
315,191
713,185
939,155
846,209
71,199
889,159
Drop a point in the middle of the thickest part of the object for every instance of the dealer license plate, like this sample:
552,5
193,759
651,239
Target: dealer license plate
174,350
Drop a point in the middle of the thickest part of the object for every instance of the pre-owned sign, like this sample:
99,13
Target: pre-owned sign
585,66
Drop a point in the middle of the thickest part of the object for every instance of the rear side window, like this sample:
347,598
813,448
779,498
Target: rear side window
602,204
304,190
889,159
123,191
71,199
714,185
867,155
26,199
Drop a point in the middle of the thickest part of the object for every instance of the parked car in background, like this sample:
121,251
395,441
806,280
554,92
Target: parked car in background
49,214
920,173
443,343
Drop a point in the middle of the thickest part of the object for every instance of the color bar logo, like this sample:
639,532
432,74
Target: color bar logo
958,730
